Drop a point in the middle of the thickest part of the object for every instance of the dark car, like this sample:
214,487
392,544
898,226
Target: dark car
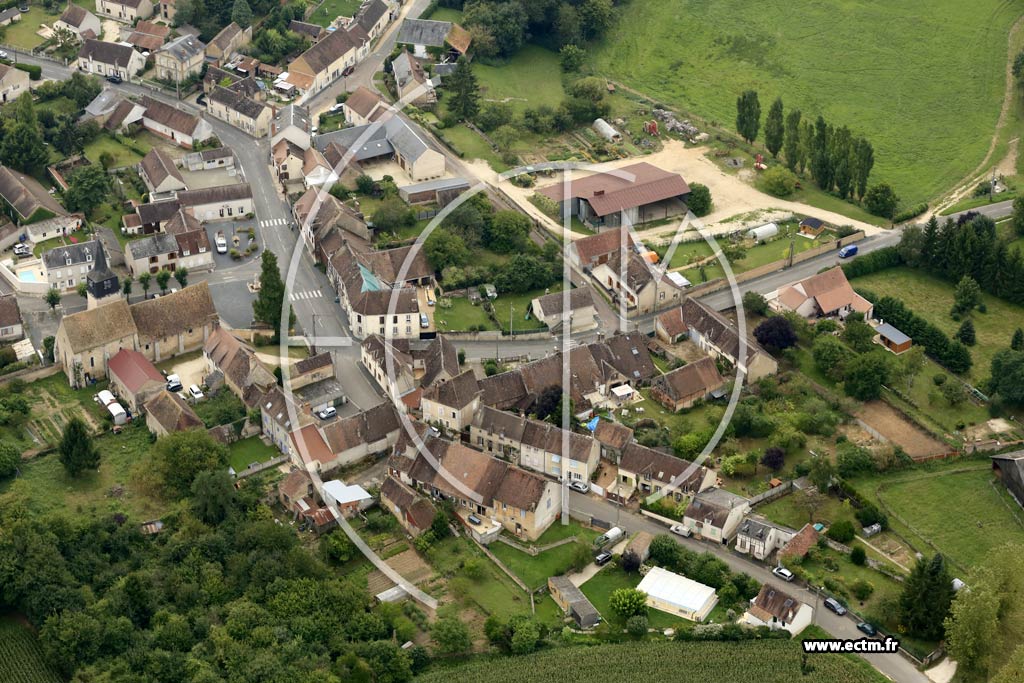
201,100
348,71
602,558
867,629
114,78
834,605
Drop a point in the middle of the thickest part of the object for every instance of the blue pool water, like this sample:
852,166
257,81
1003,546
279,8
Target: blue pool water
27,276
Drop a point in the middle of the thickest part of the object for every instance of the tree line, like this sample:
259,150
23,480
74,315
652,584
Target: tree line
837,160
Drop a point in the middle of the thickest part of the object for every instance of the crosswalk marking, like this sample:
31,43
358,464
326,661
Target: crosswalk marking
272,222
306,295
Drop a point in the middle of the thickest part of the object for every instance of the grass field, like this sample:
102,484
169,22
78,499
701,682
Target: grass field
332,9
846,61
113,488
445,14
23,33
461,316
599,588
534,571
932,299
517,306
472,146
531,78
21,657
123,156
985,515
766,661
242,453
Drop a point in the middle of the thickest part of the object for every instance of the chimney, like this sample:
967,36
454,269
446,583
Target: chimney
598,193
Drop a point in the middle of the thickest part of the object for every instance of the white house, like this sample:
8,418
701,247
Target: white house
110,59
760,539
715,514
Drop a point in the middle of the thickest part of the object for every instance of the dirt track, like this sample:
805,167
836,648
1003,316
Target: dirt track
899,430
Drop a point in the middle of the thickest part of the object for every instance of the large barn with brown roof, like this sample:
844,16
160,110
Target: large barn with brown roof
630,195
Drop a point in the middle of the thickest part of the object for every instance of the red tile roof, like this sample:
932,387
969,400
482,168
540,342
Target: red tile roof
133,370
607,193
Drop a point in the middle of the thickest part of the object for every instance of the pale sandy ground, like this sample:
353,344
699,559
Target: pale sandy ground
191,371
942,672
111,30
732,196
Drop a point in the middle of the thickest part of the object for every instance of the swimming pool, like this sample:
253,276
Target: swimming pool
27,276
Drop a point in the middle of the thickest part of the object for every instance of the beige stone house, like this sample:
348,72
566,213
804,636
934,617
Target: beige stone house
125,11
13,82
179,59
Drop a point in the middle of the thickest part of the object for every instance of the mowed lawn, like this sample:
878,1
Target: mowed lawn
242,453
23,33
123,155
599,589
868,64
932,299
461,316
332,9
964,514
531,78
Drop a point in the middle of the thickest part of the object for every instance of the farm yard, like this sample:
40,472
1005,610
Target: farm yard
21,657
925,139
775,661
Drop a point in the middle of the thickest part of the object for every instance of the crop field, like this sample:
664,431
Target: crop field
21,658
868,64
775,661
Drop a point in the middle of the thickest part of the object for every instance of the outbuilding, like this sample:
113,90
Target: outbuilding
892,339
678,595
764,232
573,602
605,130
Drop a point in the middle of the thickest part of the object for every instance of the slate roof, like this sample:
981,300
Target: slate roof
659,466
367,427
370,13
313,31
456,393
83,252
394,135
332,47
368,279
424,32
169,116
889,332
293,115
775,602
174,313
237,101
698,377
9,14
214,195
714,506
183,48
106,53
158,167
440,356
227,34
158,212
25,194
552,303
152,245
74,16
717,329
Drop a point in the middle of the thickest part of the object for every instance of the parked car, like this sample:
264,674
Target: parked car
201,100
3,54
848,251
610,536
348,71
424,321
580,486
195,392
602,558
783,573
115,79
327,413
473,519
834,605
681,530
867,629
221,242
173,383
22,249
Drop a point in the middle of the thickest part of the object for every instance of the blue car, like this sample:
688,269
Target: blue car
848,251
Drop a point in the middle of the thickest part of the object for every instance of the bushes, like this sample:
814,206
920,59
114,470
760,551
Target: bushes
872,262
34,72
912,212
841,531
858,556
779,181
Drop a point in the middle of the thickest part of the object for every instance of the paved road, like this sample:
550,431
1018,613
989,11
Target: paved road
892,665
993,211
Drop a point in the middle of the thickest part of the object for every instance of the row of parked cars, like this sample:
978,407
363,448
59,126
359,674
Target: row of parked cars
831,604
174,384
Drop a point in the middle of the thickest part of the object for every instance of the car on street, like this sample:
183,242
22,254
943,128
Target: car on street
602,558
173,383
3,55
580,486
348,71
22,250
783,573
848,251
115,79
327,413
867,629
195,392
681,530
834,605
221,242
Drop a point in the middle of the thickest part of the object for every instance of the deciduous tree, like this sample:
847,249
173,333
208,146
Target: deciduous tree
180,457
776,332
213,494
627,602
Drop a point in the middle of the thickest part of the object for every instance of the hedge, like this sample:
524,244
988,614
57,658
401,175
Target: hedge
912,212
34,71
872,262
